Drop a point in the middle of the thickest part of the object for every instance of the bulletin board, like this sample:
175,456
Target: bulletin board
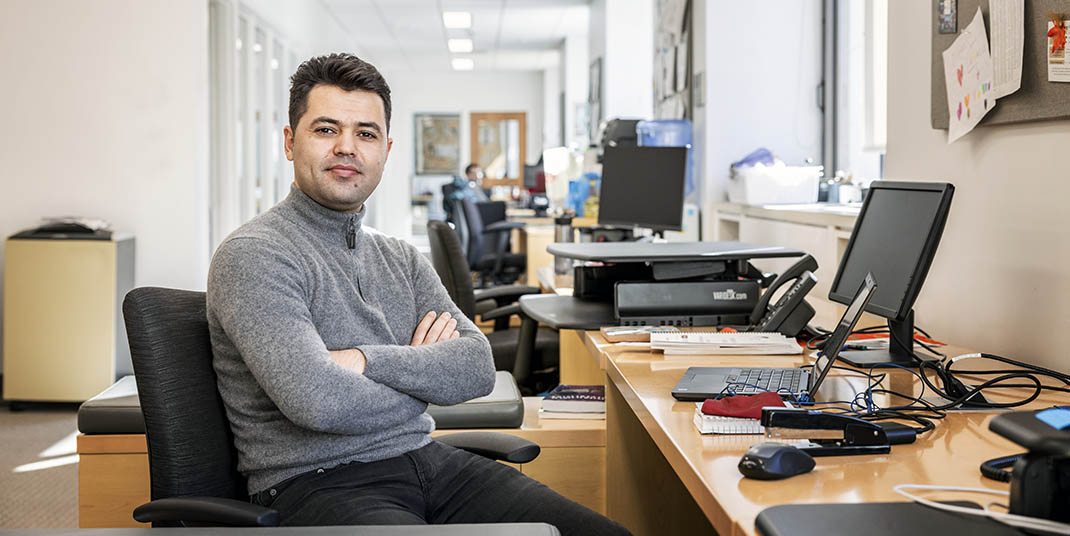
1037,99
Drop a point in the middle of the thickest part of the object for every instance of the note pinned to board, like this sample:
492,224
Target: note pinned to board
1008,38
968,75
1058,58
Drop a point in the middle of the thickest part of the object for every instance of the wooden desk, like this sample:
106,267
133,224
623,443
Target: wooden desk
663,477
532,241
113,470
535,236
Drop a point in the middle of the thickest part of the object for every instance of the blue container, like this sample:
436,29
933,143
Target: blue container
577,195
670,133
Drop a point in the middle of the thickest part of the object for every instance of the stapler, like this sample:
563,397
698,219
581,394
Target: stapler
824,434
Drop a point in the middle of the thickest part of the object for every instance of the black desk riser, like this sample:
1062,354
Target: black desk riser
662,263
660,252
566,312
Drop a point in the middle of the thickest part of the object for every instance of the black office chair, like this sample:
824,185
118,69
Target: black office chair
488,246
192,459
540,368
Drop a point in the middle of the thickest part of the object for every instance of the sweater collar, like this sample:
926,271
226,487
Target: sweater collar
329,223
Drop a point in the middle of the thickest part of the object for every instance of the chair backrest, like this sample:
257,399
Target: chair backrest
460,226
449,261
474,222
449,200
492,211
191,449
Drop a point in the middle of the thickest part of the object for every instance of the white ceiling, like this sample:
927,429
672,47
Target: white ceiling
507,34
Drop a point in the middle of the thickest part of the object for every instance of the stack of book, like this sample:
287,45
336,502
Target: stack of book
732,343
574,402
642,333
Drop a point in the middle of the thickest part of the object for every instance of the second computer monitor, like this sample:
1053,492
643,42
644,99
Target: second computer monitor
895,238
643,186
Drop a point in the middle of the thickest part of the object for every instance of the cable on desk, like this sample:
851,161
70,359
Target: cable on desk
818,342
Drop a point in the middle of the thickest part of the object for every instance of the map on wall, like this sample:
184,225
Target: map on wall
438,144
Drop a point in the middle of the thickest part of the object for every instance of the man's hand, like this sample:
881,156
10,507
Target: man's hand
352,359
434,327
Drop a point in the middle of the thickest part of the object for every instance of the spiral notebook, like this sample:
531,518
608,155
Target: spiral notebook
716,424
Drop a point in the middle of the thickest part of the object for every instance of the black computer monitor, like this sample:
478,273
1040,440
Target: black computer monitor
644,187
895,238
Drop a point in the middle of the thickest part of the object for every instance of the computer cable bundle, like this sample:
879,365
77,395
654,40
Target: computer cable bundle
865,407
818,342
959,394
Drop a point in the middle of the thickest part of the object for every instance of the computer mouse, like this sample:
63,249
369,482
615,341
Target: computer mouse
774,461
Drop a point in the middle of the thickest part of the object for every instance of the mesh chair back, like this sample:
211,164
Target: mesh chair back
460,225
474,222
448,259
191,450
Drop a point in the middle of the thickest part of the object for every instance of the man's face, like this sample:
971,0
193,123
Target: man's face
339,147
475,174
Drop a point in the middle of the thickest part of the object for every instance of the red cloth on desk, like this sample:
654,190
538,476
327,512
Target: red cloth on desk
742,406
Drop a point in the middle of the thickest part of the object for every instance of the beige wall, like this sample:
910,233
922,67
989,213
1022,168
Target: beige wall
1001,279
106,115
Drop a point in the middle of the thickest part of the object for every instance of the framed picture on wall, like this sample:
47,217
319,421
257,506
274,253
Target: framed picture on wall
438,143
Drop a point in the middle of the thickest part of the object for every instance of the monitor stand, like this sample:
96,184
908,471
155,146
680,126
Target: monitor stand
896,355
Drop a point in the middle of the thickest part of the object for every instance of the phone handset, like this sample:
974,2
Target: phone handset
790,313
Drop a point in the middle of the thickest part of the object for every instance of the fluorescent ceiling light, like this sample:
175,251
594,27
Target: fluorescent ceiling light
463,64
459,45
457,19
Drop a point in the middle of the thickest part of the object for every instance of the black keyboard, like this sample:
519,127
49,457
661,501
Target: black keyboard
753,381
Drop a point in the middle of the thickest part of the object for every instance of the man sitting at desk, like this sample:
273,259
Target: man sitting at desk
330,340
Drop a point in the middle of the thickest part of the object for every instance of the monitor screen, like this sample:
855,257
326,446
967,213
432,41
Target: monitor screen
895,239
643,186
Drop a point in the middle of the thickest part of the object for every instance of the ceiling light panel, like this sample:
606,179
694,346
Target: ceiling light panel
461,46
457,19
463,64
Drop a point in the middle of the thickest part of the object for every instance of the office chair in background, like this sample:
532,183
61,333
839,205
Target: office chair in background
192,459
539,370
487,248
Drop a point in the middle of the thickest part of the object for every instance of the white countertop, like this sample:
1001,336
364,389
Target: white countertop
824,214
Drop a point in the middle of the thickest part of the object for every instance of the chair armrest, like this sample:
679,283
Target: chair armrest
207,510
501,312
505,294
500,226
493,445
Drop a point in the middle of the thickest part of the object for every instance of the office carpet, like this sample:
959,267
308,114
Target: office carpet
38,467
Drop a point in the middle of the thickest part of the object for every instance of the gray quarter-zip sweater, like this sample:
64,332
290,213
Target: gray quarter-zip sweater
299,281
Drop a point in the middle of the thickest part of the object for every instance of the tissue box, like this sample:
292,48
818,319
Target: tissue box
770,185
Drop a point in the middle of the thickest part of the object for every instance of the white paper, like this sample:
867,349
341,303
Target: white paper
1058,59
1008,34
968,76
681,66
668,71
672,16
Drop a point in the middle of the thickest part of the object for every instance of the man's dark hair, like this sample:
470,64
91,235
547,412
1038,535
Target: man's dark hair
342,70
470,167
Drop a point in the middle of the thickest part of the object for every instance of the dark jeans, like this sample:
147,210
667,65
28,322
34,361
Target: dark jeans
434,484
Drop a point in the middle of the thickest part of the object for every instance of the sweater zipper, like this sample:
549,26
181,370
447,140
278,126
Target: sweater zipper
351,234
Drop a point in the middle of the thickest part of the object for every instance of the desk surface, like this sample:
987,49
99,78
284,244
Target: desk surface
706,465
567,312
